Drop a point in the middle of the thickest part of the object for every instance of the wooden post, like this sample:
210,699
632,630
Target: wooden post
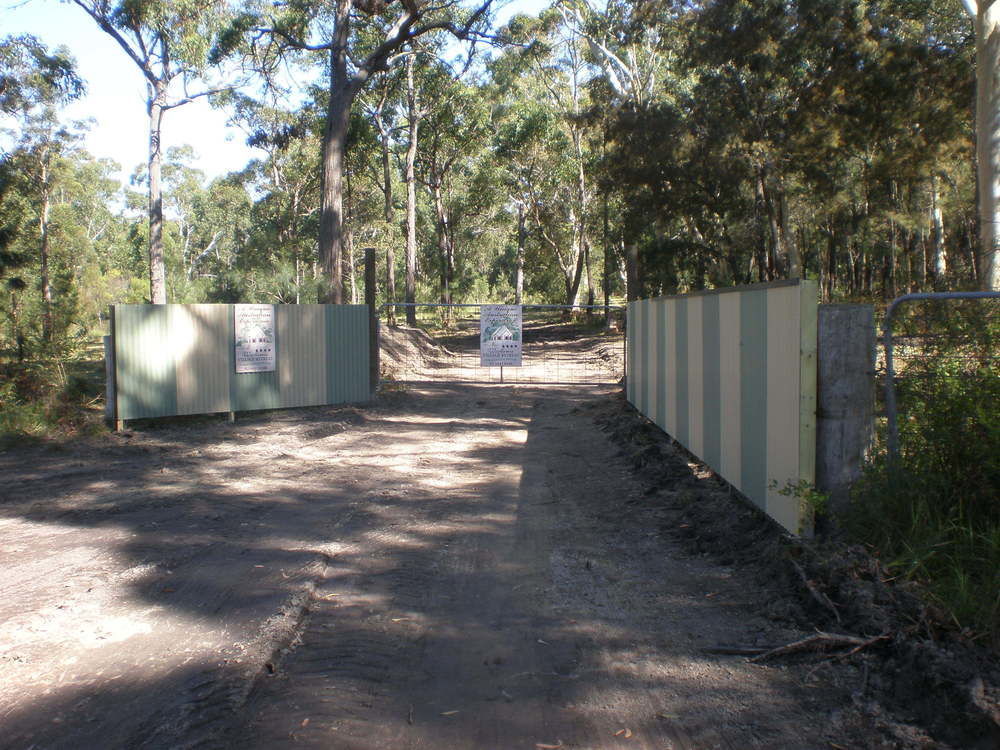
111,375
373,342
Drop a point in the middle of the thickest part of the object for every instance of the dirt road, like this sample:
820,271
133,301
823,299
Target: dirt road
446,568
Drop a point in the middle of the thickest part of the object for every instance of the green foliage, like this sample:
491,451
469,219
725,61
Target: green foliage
31,76
50,399
812,502
933,513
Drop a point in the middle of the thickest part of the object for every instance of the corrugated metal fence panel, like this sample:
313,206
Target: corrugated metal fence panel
179,359
302,370
347,353
201,357
145,364
732,376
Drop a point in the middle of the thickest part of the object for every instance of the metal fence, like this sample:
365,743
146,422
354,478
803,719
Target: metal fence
169,360
561,345
731,375
936,345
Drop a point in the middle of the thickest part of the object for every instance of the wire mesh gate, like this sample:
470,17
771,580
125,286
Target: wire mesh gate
560,345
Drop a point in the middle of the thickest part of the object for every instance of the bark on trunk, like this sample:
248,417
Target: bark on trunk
988,138
331,219
522,239
633,276
390,284
938,259
157,270
606,284
445,248
412,105
43,229
350,266
791,247
573,282
390,254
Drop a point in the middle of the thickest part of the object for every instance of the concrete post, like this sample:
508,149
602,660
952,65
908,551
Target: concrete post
370,301
845,398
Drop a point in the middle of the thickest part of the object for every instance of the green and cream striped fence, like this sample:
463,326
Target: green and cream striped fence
731,375
170,360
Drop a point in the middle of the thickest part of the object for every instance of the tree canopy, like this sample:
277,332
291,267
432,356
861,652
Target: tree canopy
588,152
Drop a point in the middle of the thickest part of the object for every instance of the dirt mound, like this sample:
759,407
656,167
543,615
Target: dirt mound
403,346
922,684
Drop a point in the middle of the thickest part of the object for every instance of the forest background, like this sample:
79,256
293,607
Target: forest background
572,156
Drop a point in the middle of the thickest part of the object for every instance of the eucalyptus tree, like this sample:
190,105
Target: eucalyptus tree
382,106
31,75
361,39
39,161
986,17
456,130
548,64
631,46
286,182
32,79
169,43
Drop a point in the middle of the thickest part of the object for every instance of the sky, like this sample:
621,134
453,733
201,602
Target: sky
116,92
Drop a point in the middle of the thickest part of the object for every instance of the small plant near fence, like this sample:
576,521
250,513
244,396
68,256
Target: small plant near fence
932,511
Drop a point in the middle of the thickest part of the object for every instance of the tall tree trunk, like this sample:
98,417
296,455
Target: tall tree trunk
522,241
445,249
390,253
891,265
573,281
988,138
583,246
350,266
298,278
413,112
43,230
157,270
331,217
792,254
606,280
390,284
938,259
923,260
831,267
590,278
774,233
633,285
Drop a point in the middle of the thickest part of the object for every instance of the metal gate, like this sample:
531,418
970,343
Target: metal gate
561,344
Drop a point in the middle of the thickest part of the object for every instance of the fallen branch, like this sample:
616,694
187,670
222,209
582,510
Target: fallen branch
737,650
819,596
821,641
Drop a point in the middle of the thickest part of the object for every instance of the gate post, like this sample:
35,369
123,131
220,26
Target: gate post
845,393
373,342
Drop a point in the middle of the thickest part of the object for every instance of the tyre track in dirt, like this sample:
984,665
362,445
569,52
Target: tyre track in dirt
489,597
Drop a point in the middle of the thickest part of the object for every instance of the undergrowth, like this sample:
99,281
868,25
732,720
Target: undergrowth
51,399
933,514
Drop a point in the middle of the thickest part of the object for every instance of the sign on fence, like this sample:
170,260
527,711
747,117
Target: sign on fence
500,336
254,338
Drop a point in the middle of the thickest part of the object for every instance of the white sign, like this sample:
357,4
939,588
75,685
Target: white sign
500,336
255,351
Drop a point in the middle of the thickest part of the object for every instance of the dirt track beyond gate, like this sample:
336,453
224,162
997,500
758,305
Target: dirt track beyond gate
446,568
